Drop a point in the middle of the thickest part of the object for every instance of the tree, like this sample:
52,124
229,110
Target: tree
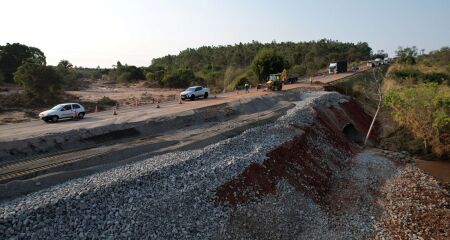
67,74
407,55
12,56
380,54
267,62
40,82
181,78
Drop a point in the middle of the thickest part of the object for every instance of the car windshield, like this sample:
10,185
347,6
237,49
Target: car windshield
190,89
57,107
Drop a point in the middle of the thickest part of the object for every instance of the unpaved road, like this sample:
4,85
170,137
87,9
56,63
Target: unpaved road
35,128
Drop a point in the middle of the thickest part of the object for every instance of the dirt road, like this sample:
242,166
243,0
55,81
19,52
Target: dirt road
35,128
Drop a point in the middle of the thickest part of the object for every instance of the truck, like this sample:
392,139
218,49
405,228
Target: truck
194,92
337,67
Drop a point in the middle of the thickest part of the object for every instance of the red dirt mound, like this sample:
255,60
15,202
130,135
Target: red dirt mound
307,162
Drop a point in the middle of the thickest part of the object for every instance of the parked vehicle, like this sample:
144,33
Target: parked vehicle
64,110
274,83
291,80
338,67
194,92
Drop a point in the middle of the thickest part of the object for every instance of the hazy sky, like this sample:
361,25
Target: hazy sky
100,32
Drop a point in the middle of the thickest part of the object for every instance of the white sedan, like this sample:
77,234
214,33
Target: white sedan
64,110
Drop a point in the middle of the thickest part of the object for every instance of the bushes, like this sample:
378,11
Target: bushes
415,76
125,77
106,101
39,81
425,111
181,78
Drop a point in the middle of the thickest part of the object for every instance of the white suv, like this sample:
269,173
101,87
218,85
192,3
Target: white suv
64,110
194,92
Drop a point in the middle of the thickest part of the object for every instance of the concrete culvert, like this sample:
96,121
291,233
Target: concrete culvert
352,133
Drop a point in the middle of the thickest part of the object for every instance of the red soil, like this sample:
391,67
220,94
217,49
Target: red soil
304,161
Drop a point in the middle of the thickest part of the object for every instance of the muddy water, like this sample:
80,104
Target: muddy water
438,169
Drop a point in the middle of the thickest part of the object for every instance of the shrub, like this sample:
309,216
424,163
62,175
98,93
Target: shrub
125,77
40,82
106,102
425,110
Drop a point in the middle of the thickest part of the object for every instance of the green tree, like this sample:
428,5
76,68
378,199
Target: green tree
267,62
128,73
12,56
181,78
407,55
150,76
40,82
67,74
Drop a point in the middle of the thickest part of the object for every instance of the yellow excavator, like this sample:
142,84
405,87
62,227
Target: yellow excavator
275,82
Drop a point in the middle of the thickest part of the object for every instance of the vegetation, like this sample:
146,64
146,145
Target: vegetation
222,67
67,74
40,82
105,102
418,93
406,55
416,115
228,66
12,56
267,61
425,110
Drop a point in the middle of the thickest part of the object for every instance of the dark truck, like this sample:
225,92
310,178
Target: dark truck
338,67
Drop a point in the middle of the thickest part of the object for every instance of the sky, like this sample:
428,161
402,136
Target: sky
93,33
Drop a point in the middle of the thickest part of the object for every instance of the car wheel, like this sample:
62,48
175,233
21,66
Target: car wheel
80,115
55,119
192,97
205,96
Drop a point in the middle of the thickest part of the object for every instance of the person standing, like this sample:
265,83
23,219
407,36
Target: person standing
247,88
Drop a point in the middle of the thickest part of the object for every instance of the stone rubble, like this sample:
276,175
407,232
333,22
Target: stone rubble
172,196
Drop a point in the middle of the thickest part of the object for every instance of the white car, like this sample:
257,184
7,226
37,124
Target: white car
194,92
64,110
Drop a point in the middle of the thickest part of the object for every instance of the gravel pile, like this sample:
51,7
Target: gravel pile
414,207
165,197
349,211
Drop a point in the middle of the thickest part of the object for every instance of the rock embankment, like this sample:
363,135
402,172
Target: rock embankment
299,177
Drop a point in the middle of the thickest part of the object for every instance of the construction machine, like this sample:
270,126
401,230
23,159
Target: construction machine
274,83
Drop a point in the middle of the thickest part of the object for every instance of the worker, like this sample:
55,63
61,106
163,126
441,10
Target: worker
247,88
